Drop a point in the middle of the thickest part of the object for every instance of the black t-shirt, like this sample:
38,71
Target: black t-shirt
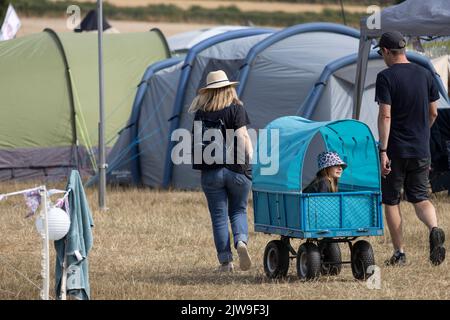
233,117
318,185
408,88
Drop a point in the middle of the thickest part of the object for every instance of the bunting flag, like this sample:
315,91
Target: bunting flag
33,201
63,202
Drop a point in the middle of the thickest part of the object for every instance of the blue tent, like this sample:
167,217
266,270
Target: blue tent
284,73
331,96
142,153
124,158
278,72
275,73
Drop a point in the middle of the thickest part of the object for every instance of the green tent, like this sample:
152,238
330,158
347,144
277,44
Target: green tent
49,97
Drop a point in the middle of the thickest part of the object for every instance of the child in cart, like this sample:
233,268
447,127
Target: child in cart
331,167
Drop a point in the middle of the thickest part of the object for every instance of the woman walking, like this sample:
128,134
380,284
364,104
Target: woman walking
225,180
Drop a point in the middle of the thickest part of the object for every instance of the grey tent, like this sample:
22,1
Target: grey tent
282,78
141,153
331,98
181,43
284,73
279,71
286,64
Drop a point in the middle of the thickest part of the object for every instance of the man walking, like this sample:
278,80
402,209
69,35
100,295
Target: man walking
407,96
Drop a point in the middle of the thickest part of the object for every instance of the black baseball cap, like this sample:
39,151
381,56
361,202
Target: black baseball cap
391,40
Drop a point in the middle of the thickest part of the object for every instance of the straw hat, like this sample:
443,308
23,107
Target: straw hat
217,79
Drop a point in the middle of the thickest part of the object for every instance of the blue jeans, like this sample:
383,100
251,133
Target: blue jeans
227,193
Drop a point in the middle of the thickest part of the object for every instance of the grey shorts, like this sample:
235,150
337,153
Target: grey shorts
409,174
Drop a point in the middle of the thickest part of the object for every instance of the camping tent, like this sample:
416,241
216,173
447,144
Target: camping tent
49,97
274,80
140,141
271,59
181,43
142,152
90,21
331,97
275,83
279,71
227,52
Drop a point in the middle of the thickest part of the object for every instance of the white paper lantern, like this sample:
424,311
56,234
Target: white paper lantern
58,224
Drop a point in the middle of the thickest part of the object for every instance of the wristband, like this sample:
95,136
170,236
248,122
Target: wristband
383,150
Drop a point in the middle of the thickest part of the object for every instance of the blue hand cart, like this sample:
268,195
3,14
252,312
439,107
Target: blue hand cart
287,153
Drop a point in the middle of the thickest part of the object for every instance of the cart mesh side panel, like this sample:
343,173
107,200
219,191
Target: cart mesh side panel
341,211
359,211
322,213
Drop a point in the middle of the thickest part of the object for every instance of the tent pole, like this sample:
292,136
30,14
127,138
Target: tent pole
343,13
101,128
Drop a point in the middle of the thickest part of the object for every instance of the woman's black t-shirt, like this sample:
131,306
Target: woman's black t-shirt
234,117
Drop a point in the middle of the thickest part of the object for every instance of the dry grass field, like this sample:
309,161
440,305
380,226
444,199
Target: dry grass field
37,24
34,24
241,5
158,245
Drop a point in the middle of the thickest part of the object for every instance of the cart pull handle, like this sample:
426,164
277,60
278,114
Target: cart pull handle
323,231
362,230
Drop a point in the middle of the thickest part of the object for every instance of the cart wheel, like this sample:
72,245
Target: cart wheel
331,258
276,259
362,258
308,261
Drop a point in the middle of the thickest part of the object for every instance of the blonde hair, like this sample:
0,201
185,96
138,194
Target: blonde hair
215,99
325,173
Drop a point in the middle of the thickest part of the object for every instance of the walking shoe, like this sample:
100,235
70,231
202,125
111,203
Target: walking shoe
226,267
397,259
244,259
437,250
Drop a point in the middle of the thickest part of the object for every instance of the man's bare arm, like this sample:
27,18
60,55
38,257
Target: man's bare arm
384,124
432,113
